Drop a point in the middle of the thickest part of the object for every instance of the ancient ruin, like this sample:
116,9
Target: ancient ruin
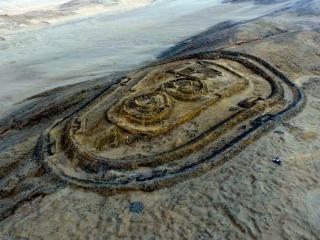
170,121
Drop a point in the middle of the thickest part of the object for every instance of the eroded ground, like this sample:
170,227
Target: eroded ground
137,135
247,197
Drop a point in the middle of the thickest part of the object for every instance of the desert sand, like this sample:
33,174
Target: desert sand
247,196
111,41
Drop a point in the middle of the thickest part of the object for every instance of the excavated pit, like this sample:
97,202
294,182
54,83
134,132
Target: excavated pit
170,121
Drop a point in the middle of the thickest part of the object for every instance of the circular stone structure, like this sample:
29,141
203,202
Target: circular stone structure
170,121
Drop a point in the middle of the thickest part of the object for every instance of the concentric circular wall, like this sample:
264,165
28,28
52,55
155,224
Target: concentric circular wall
171,121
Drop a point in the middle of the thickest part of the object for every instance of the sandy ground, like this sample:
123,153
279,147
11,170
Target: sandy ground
249,197
23,15
87,48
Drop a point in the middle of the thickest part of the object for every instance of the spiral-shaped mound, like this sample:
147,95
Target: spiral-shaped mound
185,89
148,108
